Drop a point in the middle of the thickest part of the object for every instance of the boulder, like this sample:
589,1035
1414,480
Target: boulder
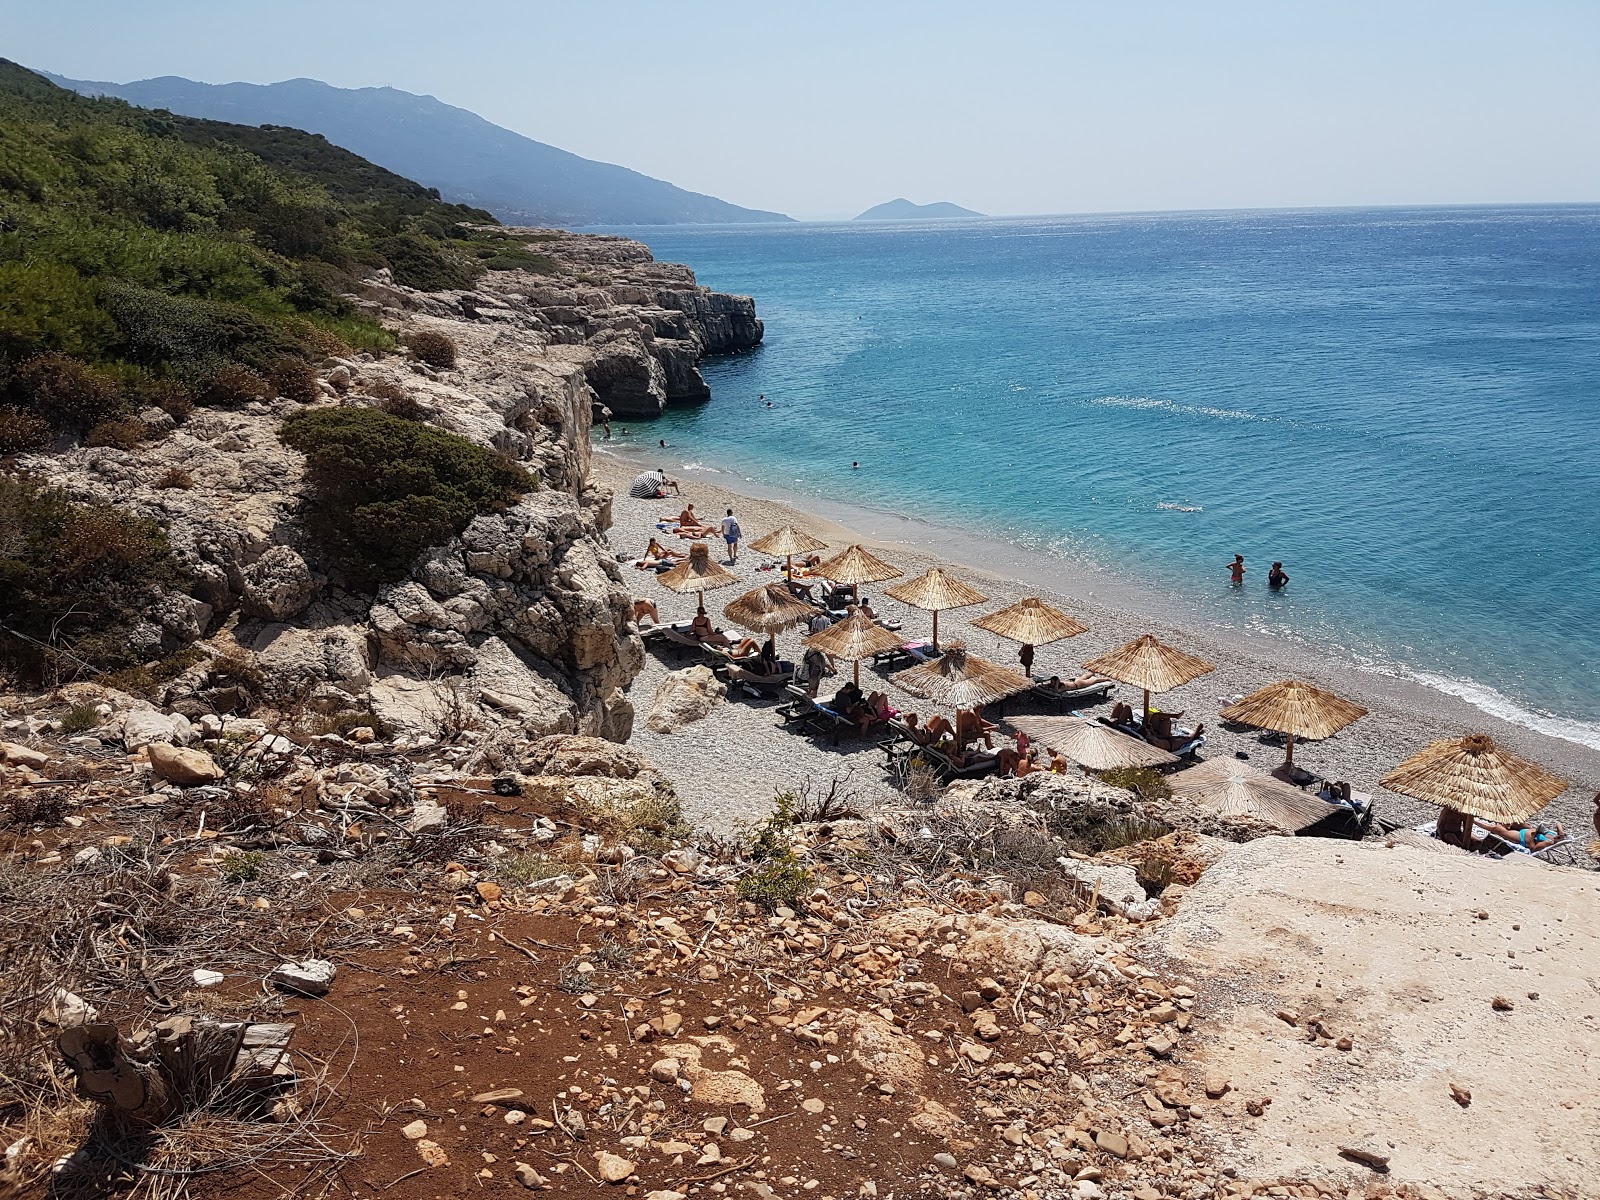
684,697
310,977
23,756
186,768
277,586
140,727
573,754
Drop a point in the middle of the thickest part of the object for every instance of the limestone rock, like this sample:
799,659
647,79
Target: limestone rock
310,977
568,754
277,586
140,727
187,768
612,1168
684,697
23,756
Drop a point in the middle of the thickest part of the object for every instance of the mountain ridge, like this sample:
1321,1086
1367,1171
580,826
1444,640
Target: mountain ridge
469,159
901,209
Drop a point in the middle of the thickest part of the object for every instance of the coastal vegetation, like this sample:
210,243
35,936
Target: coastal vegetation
151,260
380,489
75,582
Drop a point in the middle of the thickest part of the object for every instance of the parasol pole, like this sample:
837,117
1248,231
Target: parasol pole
1289,760
1146,721
858,672
936,629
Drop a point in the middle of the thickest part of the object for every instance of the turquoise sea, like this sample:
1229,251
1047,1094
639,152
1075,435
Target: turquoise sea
1403,405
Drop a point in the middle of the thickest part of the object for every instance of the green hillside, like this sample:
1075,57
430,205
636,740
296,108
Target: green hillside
152,259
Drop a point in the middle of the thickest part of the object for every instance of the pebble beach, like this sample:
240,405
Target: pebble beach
729,766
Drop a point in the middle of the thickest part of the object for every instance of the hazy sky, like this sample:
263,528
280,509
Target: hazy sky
820,108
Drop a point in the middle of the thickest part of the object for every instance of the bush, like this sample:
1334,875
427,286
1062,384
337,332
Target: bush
80,718
21,430
433,348
123,433
233,384
381,490
175,477
67,393
396,401
776,883
293,379
74,581
1148,784
242,866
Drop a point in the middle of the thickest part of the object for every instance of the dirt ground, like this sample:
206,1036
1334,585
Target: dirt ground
1444,972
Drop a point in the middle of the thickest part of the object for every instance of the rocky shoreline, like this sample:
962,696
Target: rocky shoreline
522,620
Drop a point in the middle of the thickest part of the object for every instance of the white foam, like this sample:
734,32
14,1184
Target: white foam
1498,704
1170,507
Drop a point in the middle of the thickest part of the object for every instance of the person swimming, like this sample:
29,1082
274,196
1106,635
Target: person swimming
1277,578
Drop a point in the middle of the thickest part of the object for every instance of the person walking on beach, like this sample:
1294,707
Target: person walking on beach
1236,569
1277,578
730,534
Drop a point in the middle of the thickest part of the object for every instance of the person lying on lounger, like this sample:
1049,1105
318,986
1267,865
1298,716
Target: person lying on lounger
963,759
702,630
689,525
1160,732
1056,684
1529,837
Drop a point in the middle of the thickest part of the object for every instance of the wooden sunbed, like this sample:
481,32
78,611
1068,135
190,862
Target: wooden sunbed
1061,697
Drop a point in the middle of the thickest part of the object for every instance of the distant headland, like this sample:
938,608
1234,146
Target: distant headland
903,210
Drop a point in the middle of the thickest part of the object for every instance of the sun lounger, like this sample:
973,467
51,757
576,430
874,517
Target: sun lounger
806,710
1494,846
1061,697
1189,742
906,652
738,674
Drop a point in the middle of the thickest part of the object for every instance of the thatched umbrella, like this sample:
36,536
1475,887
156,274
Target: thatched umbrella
1473,777
1091,744
961,680
1031,622
1234,788
855,566
1294,709
788,542
1151,665
852,639
697,573
934,590
767,610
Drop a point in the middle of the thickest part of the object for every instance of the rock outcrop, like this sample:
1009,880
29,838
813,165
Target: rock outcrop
521,622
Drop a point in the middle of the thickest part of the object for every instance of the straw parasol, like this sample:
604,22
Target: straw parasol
855,565
1151,665
697,573
788,542
1234,789
1472,775
1294,709
767,610
853,639
961,680
934,590
1031,622
1091,744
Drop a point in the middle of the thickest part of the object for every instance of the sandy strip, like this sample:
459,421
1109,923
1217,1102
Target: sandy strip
729,765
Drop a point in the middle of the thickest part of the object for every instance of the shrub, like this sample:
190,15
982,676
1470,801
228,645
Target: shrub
433,348
1143,781
123,433
404,406
74,581
67,393
175,477
381,490
242,866
294,379
80,718
233,384
776,883
147,680
21,430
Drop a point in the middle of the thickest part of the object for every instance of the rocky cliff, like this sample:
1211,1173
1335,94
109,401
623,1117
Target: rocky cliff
521,622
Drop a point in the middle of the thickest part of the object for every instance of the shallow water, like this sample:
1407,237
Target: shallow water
1401,405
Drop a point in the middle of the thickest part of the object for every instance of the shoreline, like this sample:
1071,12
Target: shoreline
1405,714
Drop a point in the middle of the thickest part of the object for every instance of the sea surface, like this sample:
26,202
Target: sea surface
1402,405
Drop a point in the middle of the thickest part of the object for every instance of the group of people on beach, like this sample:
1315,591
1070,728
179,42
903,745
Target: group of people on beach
1277,577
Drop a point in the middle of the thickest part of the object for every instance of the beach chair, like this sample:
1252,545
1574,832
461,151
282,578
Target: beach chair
906,654
803,709
1062,697
947,769
1562,850
739,675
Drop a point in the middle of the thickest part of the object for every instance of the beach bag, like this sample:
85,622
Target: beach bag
731,531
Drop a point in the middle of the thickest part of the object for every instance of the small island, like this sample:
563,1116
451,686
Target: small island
903,210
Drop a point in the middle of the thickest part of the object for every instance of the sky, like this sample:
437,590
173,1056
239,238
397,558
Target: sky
821,108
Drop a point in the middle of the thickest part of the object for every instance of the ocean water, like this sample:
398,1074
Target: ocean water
1401,405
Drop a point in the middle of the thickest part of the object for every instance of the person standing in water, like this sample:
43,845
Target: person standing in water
1277,578
1236,569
